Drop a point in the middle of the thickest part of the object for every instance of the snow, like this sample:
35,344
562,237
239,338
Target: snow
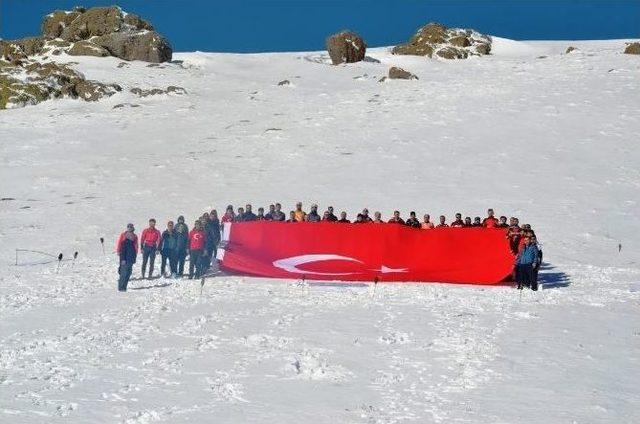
552,140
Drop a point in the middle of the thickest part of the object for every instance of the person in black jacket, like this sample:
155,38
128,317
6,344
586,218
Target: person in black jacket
182,243
413,221
248,214
343,218
168,251
128,253
330,216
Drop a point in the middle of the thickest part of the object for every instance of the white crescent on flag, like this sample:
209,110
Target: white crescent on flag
291,264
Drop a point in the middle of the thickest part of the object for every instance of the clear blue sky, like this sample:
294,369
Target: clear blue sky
297,25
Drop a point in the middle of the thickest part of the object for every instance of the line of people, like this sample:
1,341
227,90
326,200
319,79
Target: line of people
200,244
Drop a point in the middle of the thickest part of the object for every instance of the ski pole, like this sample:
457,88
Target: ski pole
201,286
59,262
75,255
102,243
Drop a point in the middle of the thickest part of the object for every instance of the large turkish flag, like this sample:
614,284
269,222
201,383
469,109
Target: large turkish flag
366,252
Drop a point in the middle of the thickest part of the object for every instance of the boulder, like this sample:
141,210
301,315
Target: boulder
98,21
570,49
346,47
447,43
284,82
54,23
30,45
399,73
87,48
143,45
92,91
632,48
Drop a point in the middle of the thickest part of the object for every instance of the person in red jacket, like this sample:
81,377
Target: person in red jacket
490,221
149,243
123,237
197,239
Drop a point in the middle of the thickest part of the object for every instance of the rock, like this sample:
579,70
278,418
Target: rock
570,49
30,45
399,73
383,79
632,48
155,91
87,48
176,90
54,23
346,47
92,91
44,81
145,45
284,82
99,21
452,53
460,41
447,43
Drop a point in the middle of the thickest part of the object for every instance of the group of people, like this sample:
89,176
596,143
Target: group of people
200,244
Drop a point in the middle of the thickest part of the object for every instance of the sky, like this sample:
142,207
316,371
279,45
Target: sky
303,25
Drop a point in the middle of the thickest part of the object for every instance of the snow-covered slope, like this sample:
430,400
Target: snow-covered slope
529,131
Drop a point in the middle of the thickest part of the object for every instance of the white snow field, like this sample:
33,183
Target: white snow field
530,131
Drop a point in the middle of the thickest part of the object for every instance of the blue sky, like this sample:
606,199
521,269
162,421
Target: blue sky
287,25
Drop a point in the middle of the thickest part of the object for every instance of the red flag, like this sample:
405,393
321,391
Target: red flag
364,252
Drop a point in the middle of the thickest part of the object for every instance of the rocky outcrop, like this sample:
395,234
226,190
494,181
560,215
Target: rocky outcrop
399,73
87,48
448,43
33,82
99,31
632,48
570,49
155,91
148,46
346,47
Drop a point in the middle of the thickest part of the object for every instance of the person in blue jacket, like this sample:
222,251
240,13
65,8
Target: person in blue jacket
525,265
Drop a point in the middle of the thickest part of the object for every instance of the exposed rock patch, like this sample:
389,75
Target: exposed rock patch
156,91
570,49
632,48
33,82
87,48
346,47
447,43
284,82
399,73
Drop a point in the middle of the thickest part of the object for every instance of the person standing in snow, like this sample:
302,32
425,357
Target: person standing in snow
182,244
443,222
261,216
503,222
269,215
396,218
426,223
538,262
413,221
468,222
525,263
490,221
365,216
343,218
248,215
458,221
180,223
229,216
197,240
127,250
292,217
313,215
149,244
477,222
330,216
168,250
377,218
514,234
278,215
212,232
239,216
300,214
